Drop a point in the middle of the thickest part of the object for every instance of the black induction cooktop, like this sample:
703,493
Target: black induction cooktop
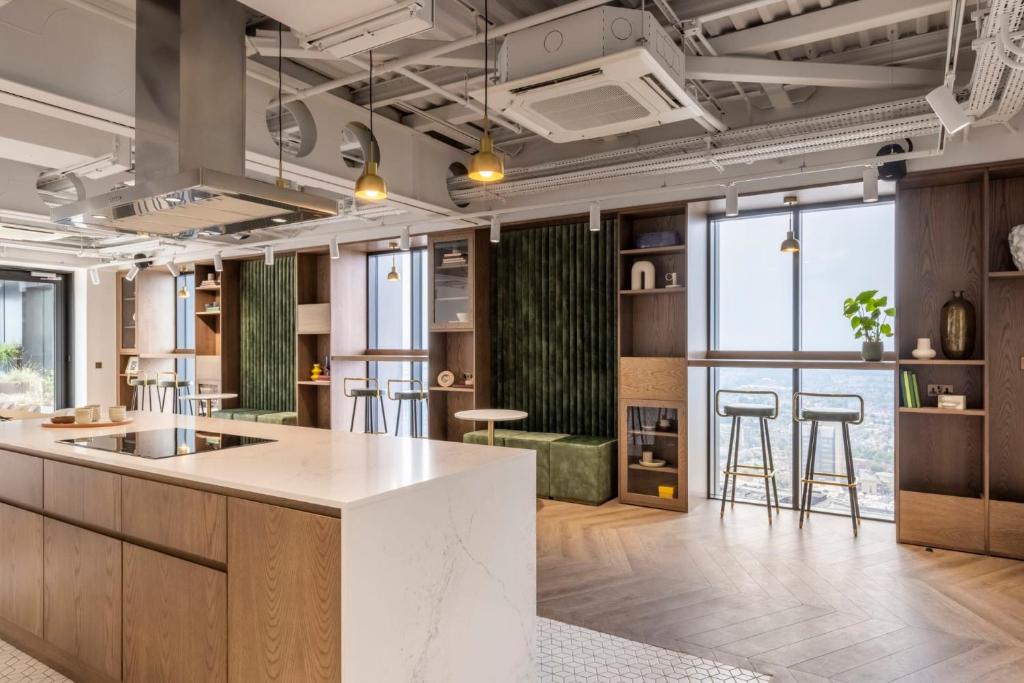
156,444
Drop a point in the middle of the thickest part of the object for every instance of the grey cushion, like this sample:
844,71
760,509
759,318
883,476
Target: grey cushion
140,382
748,410
365,391
830,414
410,394
173,383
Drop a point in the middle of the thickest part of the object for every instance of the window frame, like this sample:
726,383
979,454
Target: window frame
796,353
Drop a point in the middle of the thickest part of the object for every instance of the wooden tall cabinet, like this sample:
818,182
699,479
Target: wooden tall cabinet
959,472
653,341
312,337
218,329
459,324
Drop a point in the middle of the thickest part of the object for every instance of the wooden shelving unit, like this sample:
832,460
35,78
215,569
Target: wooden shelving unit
652,349
961,482
146,328
312,337
460,339
218,333
126,329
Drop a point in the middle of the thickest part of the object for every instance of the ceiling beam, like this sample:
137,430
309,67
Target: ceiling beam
839,20
757,70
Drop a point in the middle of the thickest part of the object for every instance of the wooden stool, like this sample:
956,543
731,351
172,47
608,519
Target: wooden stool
733,468
845,417
416,394
368,393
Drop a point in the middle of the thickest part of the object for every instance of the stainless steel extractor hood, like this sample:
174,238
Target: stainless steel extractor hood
190,133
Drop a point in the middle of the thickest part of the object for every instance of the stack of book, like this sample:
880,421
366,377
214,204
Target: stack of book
909,389
454,258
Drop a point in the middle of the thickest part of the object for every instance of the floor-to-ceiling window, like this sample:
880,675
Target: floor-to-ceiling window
397,321
789,307
33,344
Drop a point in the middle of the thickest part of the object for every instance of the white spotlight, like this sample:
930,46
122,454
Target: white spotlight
405,239
172,269
495,229
335,249
268,255
94,276
949,111
132,272
595,217
218,262
871,184
732,201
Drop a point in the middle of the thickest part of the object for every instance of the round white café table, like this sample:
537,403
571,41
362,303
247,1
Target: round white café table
490,416
207,400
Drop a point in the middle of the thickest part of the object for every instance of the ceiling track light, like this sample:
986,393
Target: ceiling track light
268,255
732,201
595,217
495,229
335,249
218,262
870,190
405,241
486,166
370,186
94,276
943,102
132,272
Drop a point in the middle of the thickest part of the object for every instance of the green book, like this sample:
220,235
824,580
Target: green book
908,399
915,390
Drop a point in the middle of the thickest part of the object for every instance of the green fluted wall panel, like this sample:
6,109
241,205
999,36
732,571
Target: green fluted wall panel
553,327
268,335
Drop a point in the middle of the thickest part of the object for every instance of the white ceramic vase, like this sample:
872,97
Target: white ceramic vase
1016,240
924,350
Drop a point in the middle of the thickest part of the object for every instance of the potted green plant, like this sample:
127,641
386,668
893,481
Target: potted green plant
870,318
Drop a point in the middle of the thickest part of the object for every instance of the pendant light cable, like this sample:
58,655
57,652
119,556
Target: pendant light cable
487,62
280,105
372,139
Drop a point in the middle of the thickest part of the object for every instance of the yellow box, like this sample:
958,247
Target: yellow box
666,491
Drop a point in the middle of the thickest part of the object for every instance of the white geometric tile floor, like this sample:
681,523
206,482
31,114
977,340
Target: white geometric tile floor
572,654
565,654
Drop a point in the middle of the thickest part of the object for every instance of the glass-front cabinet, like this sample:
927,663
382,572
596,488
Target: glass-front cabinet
653,466
127,313
451,303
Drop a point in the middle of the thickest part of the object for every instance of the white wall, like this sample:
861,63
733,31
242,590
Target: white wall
95,340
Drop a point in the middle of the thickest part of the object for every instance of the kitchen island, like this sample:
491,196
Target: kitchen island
313,556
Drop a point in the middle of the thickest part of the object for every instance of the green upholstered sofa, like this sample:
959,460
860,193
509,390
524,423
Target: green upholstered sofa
251,415
580,469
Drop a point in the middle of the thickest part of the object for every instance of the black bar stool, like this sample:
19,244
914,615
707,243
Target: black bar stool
414,395
844,417
733,468
368,393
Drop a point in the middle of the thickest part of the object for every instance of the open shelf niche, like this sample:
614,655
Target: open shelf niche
312,337
460,339
218,329
146,329
652,351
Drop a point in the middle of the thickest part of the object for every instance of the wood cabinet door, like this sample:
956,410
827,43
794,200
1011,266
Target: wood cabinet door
21,568
284,588
82,595
175,619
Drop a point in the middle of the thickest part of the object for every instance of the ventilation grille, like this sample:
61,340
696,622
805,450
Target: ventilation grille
588,109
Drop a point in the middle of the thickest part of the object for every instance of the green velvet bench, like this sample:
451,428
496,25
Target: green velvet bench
583,469
479,437
541,442
251,415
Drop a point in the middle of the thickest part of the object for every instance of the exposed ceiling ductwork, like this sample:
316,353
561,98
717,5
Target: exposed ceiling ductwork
189,133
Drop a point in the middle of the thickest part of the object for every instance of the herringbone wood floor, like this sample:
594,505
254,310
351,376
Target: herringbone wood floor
808,605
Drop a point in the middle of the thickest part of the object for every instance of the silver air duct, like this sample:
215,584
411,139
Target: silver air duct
190,132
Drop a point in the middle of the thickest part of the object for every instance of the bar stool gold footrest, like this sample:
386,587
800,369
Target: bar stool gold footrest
823,482
759,474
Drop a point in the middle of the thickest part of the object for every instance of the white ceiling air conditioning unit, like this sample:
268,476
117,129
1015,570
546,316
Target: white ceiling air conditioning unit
349,27
601,72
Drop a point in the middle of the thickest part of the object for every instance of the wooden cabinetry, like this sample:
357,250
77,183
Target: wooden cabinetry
22,480
177,518
312,337
21,568
652,348
284,594
82,595
961,480
82,494
218,329
175,619
460,339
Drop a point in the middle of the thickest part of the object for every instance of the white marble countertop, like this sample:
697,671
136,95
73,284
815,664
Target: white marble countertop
311,467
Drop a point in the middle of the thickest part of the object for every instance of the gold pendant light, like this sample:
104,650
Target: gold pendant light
371,186
486,166
394,275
